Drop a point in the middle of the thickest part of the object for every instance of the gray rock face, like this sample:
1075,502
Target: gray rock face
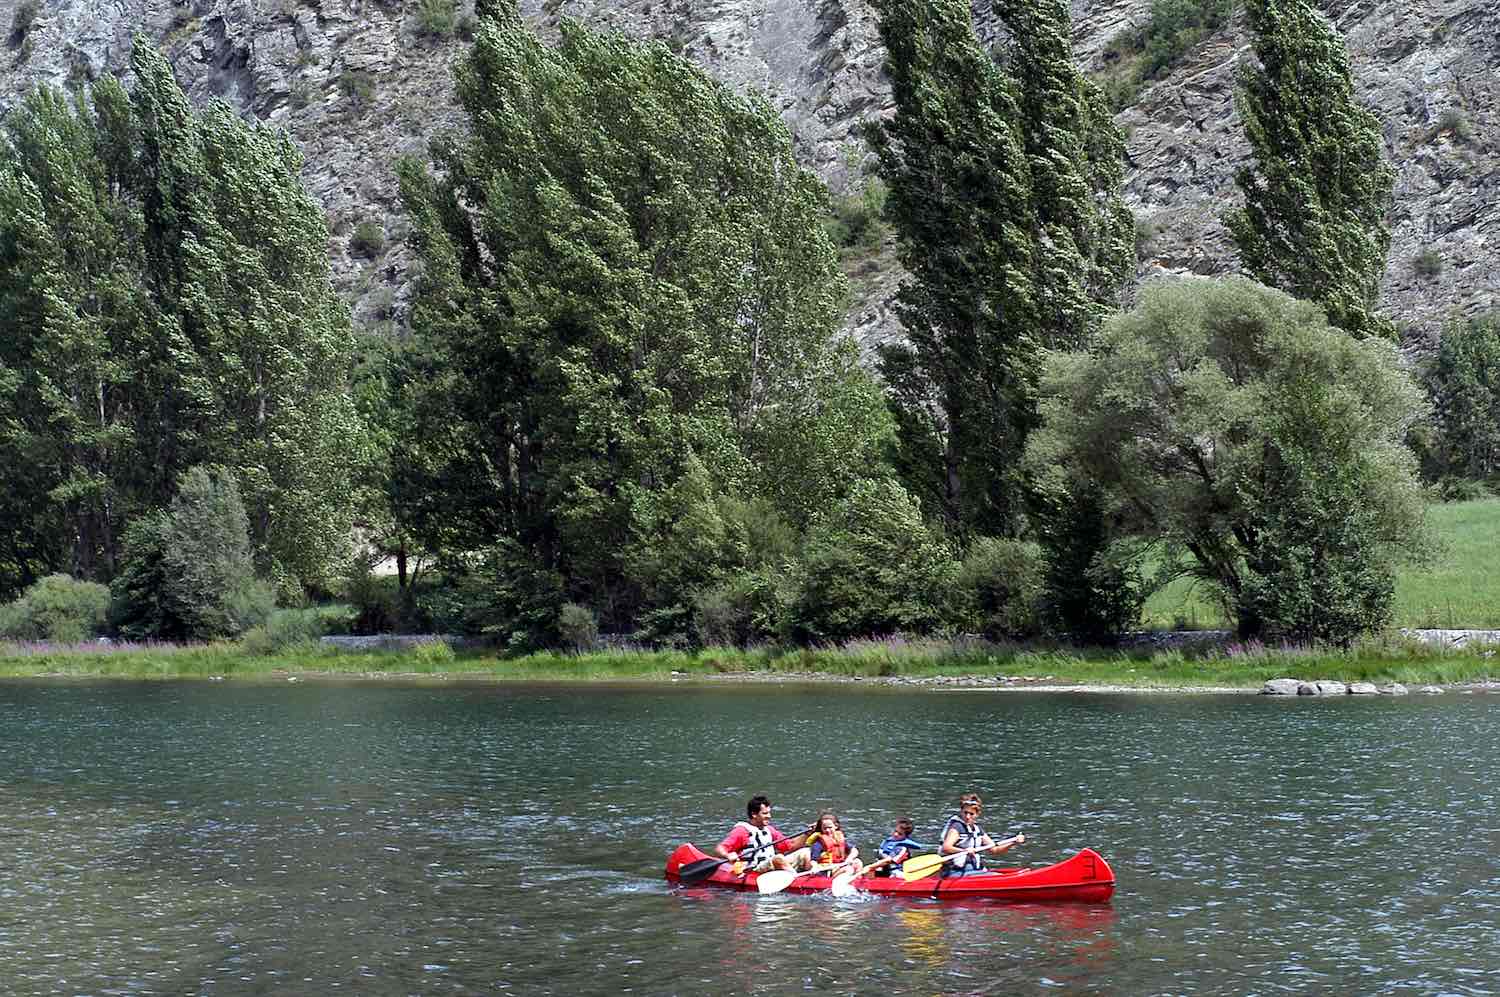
1394,689
1281,687
1363,689
1322,687
1426,70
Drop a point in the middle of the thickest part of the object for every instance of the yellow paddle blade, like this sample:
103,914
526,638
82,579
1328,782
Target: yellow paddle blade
774,881
921,866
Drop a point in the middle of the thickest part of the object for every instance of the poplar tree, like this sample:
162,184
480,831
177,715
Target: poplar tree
1318,188
1005,193
627,308
165,301
1084,233
960,199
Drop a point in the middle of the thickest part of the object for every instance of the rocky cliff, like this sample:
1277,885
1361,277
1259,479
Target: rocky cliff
358,82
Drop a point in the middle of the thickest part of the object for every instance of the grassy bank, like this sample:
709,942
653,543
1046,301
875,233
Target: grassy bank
1234,666
1459,588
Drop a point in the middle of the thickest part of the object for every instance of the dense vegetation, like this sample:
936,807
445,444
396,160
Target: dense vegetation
166,303
623,412
1318,188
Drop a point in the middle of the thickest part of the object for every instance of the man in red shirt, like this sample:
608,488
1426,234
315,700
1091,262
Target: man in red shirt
756,841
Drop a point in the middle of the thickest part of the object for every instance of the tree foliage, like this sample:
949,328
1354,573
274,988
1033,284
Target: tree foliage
1004,191
872,567
627,308
188,571
56,608
1318,191
165,301
1230,423
1463,385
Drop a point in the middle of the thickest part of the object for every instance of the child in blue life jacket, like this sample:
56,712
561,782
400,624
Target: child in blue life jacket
897,848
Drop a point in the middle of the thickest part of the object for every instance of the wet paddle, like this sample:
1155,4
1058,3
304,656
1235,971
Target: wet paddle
700,870
779,879
923,866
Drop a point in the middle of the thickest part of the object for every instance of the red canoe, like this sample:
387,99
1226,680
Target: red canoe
1084,878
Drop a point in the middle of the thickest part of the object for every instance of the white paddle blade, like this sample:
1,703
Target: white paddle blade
843,885
774,881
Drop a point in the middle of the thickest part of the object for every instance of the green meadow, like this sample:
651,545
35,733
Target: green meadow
1458,588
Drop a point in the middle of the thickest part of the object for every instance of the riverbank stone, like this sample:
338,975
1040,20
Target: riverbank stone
1280,687
1432,690
1394,689
1363,689
1322,687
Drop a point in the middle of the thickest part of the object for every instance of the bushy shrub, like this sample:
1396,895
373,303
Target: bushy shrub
506,596
1427,263
368,239
285,628
858,217
871,566
437,18
747,608
1314,578
22,20
358,85
432,653
578,626
1454,489
56,608
187,572
1000,585
1151,50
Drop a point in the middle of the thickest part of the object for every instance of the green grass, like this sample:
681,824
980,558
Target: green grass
1235,666
1458,589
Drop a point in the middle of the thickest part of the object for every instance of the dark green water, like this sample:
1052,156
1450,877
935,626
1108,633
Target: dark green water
187,838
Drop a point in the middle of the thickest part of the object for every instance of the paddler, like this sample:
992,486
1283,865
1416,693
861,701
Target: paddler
963,834
830,847
756,841
898,847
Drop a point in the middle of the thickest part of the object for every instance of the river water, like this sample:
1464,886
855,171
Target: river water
220,838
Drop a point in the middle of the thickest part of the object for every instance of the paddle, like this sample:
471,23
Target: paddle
925,865
779,879
700,870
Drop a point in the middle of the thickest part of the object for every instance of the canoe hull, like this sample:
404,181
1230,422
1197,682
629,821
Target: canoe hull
1083,878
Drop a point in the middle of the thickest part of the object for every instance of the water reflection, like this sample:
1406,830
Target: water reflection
384,840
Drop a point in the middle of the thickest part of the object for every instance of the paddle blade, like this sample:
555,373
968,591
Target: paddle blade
697,871
843,886
774,881
921,867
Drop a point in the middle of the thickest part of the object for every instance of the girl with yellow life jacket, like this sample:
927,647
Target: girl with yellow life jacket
830,847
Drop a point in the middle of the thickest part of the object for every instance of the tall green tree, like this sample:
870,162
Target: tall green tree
1085,234
1229,423
1005,192
1315,222
1463,384
165,301
627,306
960,200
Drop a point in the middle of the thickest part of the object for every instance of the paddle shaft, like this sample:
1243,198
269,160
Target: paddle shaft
703,868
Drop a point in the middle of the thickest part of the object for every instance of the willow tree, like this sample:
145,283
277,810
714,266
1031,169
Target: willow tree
1229,423
627,308
1315,222
165,301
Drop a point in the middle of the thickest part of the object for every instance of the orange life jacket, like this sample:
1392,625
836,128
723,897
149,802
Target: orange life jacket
835,847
